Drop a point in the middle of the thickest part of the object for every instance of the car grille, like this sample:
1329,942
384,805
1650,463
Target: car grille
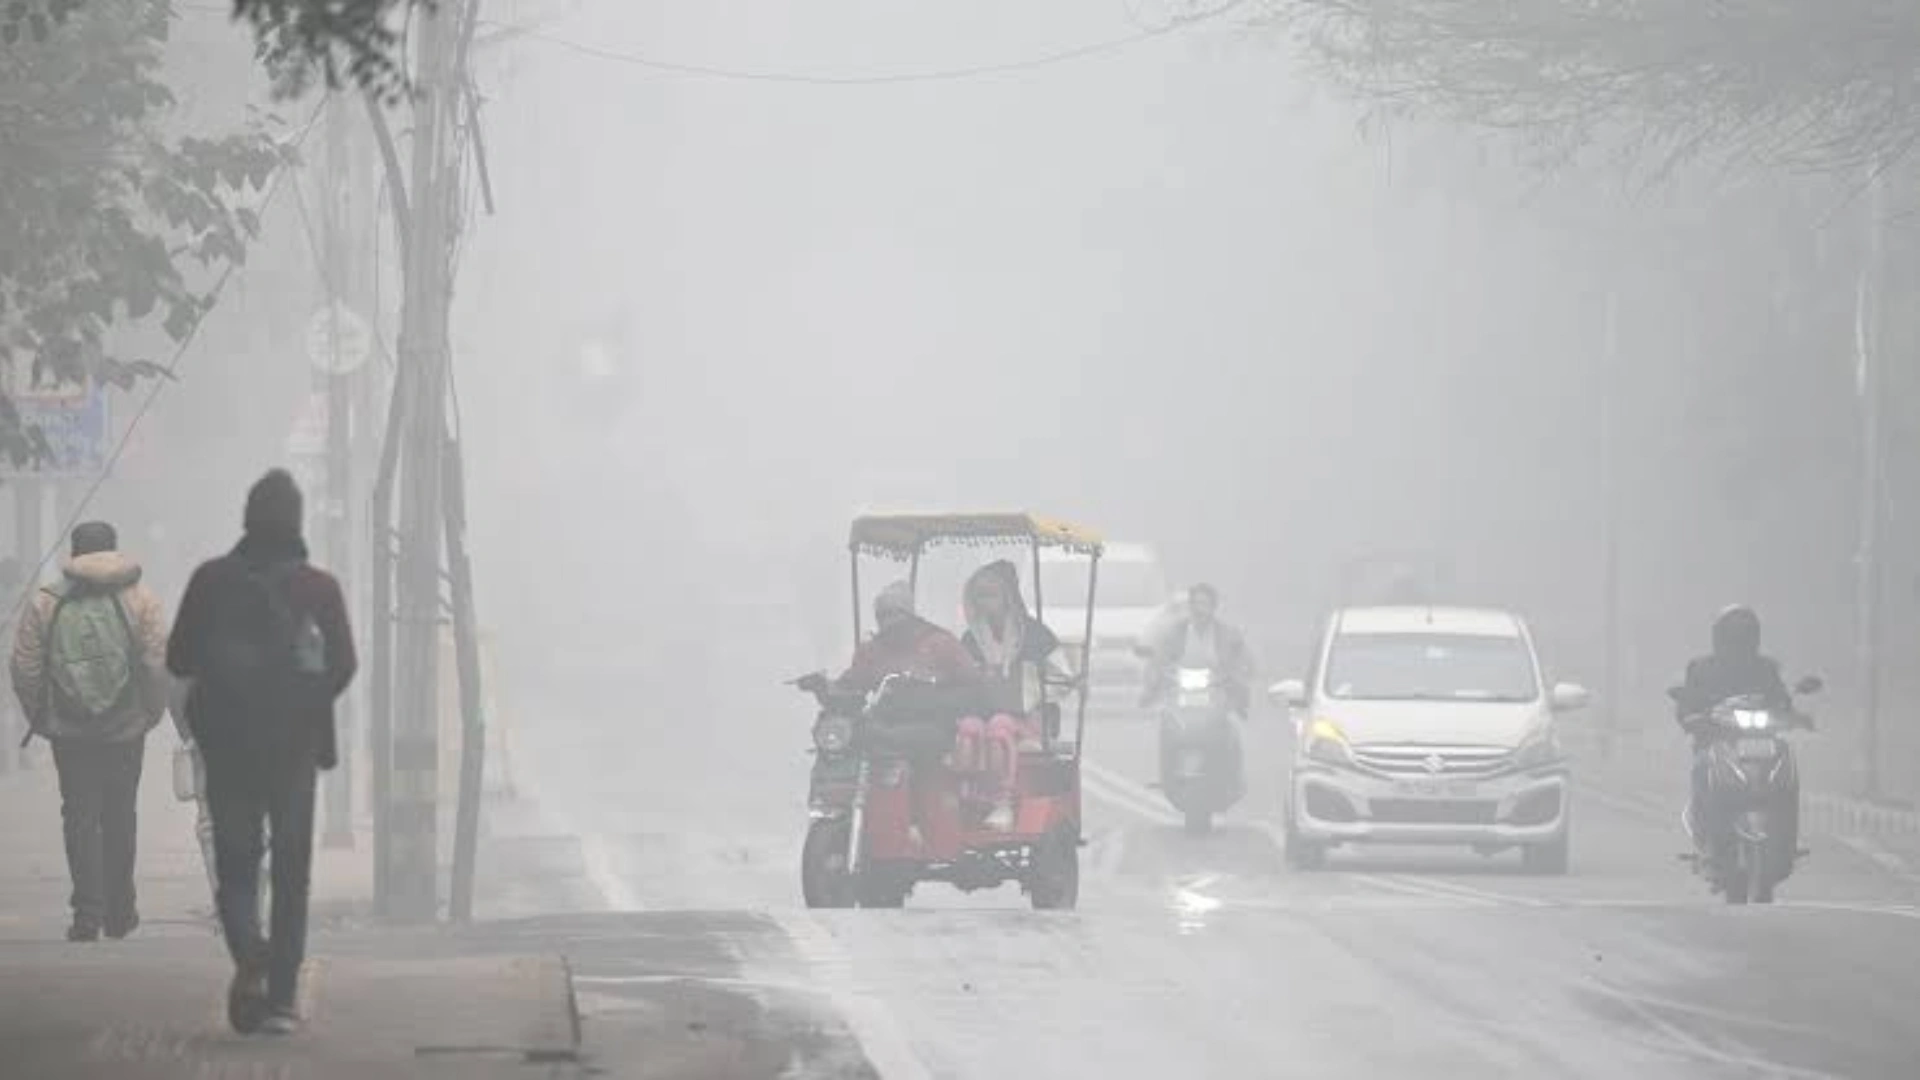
1432,811
1447,761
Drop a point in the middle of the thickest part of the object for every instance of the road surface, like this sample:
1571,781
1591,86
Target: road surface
1200,956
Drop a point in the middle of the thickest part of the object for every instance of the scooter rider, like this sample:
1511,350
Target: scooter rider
1201,640
1736,667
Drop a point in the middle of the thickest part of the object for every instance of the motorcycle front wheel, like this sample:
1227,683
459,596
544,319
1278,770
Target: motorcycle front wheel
824,881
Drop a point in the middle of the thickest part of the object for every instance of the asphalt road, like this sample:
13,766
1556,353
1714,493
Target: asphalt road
1205,956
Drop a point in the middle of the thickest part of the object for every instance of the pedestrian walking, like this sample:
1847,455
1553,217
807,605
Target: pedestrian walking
88,669
264,637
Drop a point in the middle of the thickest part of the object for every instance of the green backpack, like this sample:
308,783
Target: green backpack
90,655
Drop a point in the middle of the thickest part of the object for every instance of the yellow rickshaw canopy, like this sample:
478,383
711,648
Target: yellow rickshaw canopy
902,536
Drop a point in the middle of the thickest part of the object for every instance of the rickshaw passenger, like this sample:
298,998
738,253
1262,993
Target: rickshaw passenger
1016,651
906,644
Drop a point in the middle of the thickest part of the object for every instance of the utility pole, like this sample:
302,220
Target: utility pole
1867,338
1609,529
428,208
340,203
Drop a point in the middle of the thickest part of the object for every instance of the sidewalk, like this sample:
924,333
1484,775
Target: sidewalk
378,1003
174,894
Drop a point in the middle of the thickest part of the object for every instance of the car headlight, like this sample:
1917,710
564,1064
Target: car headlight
1195,679
1540,748
833,735
1327,744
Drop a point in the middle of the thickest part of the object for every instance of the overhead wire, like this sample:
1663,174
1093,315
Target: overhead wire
1146,33
160,383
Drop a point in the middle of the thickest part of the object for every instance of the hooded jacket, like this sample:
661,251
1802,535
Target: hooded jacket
115,572
1021,654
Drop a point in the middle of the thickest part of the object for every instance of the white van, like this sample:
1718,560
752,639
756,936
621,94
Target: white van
1133,592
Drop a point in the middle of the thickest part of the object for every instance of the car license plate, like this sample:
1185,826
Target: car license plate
1448,789
1756,748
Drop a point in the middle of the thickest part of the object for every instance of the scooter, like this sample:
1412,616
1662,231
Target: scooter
1202,769
1742,848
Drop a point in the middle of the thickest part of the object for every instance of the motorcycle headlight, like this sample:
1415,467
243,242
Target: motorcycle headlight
1195,679
1327,744
833,735
1540,748
1752,719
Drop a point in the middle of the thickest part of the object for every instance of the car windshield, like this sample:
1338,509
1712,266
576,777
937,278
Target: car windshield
1431,667
1123,584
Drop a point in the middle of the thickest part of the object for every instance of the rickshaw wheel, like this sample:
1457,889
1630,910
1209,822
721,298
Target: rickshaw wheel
1054,879
824,881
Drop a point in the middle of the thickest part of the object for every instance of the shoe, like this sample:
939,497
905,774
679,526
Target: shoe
83,930
119,930
247,996
281,1021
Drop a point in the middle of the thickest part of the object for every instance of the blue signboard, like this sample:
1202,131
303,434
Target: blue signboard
78,429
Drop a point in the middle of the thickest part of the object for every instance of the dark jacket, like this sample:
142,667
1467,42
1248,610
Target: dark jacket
220,601
1714,678
911,646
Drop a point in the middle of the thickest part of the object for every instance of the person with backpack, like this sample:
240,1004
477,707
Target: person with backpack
264,639
89,670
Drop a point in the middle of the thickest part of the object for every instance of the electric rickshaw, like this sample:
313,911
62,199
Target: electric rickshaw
860,849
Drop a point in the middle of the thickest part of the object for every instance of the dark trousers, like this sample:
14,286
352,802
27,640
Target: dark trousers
99,798
249,799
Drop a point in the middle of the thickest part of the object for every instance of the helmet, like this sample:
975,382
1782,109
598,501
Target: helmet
1736,631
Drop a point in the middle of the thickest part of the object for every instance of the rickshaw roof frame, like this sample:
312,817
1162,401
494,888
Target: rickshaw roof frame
901,537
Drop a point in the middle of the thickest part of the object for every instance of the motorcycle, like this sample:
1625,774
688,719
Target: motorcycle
1202,770
1742,847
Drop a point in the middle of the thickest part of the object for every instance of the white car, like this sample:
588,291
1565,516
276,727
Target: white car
1428,726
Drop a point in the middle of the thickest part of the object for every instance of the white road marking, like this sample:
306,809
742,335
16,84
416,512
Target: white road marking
1416,887
886,1047
1469,892
1110,853
1694,1046
1124,794
1897,911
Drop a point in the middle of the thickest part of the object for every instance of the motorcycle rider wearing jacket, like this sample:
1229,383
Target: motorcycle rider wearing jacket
1734,668
1201,640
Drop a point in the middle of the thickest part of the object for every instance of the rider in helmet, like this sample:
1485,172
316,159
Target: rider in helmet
1735,667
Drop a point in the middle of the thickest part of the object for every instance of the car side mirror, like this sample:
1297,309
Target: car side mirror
1568,697
1812,684
1289,692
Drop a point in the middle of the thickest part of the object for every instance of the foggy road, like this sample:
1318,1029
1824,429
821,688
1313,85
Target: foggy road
1205,956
